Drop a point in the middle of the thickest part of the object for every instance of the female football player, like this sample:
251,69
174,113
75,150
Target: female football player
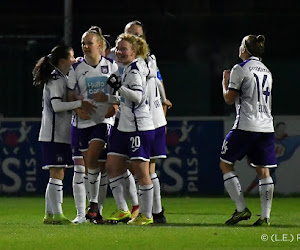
158,104
89,76
135,133
54,136
249,86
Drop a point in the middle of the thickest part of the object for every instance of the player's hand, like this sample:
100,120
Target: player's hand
88,107
100,97
78,59
168,104
82,114
112,110
226,75
114,82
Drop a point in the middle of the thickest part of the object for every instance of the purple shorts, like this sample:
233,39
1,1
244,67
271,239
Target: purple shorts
258,146
133,145
56,155
76,153
98,132
158,149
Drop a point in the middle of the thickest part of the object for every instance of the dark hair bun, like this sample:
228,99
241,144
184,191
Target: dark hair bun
260,38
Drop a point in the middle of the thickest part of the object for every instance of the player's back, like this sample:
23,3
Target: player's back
254,104
55,126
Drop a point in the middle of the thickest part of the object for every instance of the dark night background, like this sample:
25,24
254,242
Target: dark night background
192,40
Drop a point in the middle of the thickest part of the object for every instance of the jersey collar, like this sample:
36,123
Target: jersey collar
254,58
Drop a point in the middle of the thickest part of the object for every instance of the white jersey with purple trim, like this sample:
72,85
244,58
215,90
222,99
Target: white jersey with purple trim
154,97
254,81
112,55
55,126
90,80
135,116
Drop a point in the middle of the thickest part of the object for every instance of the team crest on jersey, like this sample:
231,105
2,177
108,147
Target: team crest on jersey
104,69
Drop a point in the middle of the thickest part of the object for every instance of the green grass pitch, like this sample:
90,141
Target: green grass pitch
193,223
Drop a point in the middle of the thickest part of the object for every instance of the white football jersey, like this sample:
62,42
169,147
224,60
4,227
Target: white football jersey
154,97
55,127
89,80
254,81
135,116
112,55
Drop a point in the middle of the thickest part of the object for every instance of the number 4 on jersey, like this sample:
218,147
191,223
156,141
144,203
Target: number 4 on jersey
266,92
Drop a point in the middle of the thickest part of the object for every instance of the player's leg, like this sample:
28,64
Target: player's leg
235,147
91,160
116,167
48,218
139,153
263,157
158,211
158,151
78,183
141,169
266,190
55,193
56,166
79,191
131,190
102,192
233,187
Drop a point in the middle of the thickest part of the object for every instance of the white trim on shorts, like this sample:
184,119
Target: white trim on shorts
265,166
77,157
158,157
228,162
139,158
56,166
251,164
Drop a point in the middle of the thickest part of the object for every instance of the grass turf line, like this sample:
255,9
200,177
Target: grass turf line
193,223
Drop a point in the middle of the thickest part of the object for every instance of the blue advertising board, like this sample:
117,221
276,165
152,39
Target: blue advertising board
192,165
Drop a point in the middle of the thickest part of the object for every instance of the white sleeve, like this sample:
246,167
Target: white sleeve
132,88
72,79
113,99
152,66
236,77
57,91
59,106
161,90
131,95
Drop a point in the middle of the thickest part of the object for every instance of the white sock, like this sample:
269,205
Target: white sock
102,191
146,200
117,188
266,189
130,188
79,189
87,192
157,208
136,184
48,208
94,176
233,187
56,195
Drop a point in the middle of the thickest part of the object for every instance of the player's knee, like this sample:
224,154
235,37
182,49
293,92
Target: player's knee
225,167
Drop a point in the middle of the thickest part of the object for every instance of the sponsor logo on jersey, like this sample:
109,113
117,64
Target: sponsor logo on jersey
104,69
